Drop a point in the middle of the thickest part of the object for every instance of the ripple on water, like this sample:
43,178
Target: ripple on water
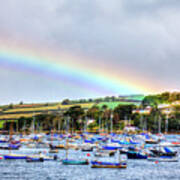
136,170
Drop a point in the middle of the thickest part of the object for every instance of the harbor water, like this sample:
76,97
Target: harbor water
55,170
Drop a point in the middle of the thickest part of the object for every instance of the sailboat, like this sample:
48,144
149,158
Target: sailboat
67,161
40,158
164,154
73,161
103,164
11,155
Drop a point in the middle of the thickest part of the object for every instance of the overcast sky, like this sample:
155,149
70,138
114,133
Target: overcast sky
142,36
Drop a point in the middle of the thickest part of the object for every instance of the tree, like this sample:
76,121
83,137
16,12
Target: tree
21,103
66,102
75,113
124,111
11,106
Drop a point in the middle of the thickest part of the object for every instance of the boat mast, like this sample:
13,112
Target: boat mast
111,117
67,140
33,123
159,125
99,124
10,136
85,125
166,124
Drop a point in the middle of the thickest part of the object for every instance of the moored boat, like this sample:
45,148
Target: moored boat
14,156
42,156
163,159
75,162
136,155
34,159
60,146
101,164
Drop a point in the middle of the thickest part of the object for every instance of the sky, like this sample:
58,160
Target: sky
56,49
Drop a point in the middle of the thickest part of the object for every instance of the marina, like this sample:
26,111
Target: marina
148,160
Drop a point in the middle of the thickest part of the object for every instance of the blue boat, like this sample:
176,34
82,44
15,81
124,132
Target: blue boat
14,156
34,160
136,155
10,147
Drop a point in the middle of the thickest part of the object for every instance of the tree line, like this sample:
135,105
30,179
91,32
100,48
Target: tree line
107,120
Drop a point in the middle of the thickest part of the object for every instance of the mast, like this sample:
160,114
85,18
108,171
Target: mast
111,118
59,126
67,140
33,123
159,125
99,124
166,124
141,123
10,135
85,125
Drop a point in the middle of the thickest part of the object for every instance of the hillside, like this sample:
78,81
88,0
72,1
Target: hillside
14,112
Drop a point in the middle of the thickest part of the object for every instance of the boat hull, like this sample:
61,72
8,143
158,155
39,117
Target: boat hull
163,159
135,155
75,162
34,160
98,164
14,157
108,166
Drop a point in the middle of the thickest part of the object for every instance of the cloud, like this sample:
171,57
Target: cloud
141,36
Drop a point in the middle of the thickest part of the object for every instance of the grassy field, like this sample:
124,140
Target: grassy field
16,113
136,97
29,110
112,105
16,116
46,108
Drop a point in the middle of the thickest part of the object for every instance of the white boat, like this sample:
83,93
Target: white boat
164,159
42,156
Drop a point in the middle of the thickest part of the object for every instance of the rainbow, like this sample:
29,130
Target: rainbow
68,70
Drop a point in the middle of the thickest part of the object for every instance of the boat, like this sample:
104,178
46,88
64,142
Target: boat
175,144
60,146
163,154
53,151
14,156
163,159
3,140
67,161
104,153
75,162
86,148
112,146
122,163
163,151
41,156
10,147
150,140
136,155
37,145
101,164
34,159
